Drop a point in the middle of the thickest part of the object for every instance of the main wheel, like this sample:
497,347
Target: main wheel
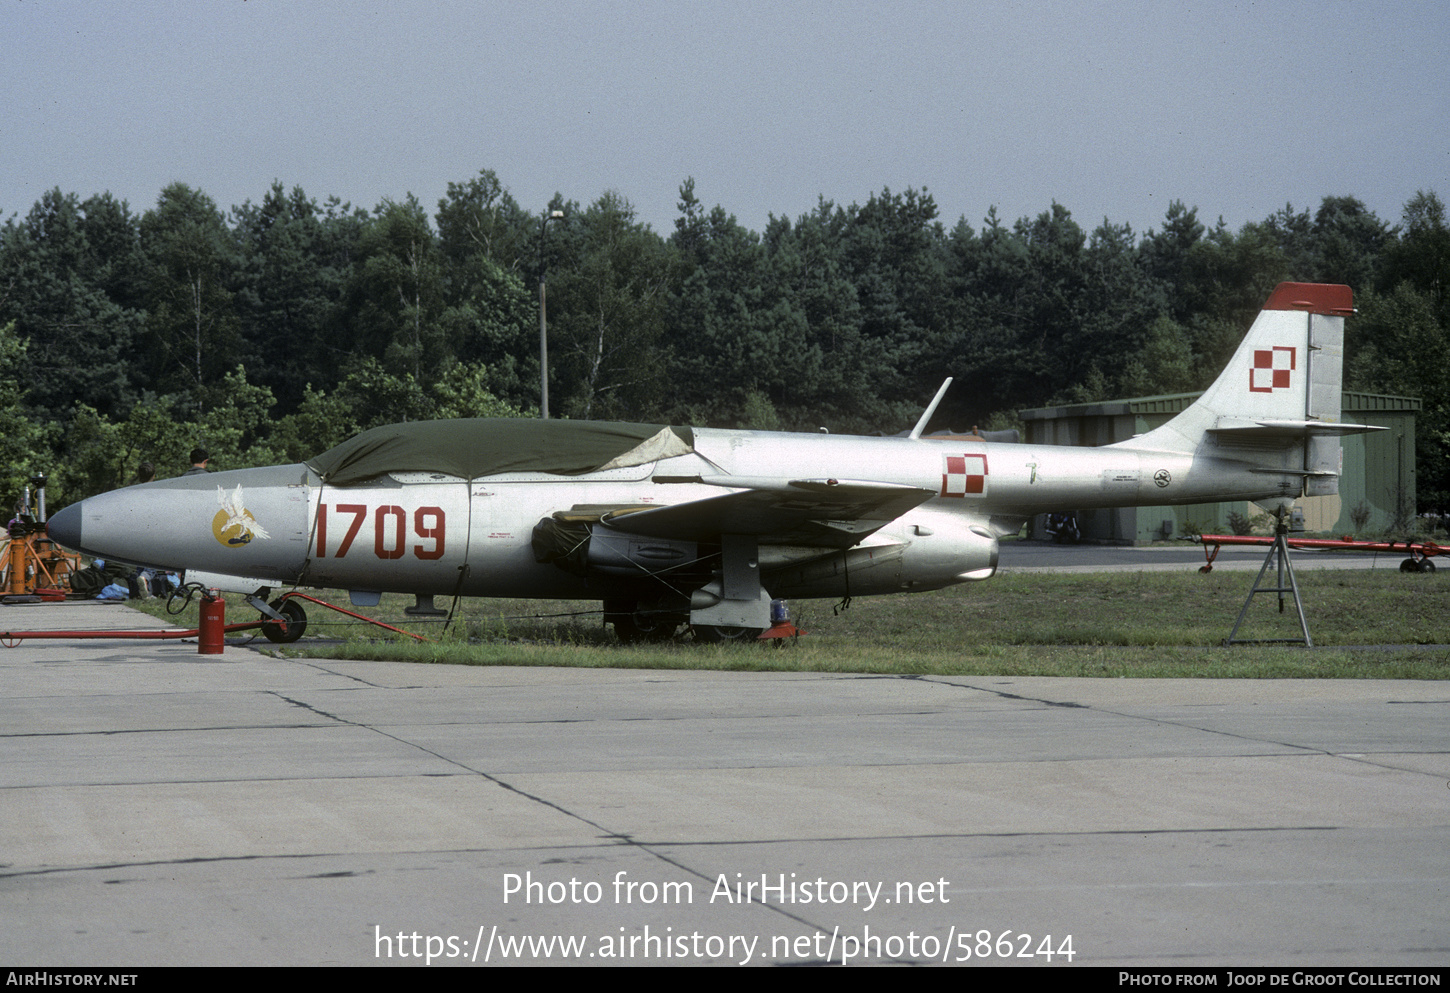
644,626
1409,565
718,634
1426,565
296,622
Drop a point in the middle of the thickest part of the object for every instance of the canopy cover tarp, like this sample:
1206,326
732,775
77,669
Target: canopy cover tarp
487,446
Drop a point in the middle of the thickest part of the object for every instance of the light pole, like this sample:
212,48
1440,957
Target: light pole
552,215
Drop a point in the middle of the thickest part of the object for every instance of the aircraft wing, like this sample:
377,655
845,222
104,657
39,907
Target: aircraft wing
827,512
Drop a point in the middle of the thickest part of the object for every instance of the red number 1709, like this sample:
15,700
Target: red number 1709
390,538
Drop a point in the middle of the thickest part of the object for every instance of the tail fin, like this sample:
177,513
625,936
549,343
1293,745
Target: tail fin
1280,392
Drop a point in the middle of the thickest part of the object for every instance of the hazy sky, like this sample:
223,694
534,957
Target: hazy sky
1112,109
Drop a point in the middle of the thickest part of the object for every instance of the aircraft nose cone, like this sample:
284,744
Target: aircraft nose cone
65,526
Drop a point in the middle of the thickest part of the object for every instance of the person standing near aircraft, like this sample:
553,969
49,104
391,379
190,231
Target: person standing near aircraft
199,459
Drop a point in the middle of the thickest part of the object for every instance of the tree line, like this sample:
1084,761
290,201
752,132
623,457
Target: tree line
271,331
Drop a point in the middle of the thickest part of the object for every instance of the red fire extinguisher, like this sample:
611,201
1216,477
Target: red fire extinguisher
213,624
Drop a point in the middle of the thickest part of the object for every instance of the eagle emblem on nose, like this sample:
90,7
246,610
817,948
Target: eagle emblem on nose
234,524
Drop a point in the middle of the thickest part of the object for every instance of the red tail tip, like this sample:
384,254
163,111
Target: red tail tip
1316,298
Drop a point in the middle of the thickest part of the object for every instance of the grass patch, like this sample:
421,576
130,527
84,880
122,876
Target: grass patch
1107,625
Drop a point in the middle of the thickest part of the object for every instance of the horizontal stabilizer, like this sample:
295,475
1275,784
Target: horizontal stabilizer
1239,427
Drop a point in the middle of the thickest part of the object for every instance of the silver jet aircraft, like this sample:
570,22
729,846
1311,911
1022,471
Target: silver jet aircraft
671,525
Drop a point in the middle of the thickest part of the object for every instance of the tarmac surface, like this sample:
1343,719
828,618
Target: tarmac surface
161,807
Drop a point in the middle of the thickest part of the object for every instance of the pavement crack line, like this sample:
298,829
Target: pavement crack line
623,840
1303,750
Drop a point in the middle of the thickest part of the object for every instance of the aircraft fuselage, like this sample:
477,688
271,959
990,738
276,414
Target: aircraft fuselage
427,533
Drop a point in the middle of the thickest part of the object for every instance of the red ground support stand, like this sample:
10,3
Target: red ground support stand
1420,552
781,629
294,595
9,639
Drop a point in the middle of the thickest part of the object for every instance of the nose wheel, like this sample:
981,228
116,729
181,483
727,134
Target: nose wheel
296,617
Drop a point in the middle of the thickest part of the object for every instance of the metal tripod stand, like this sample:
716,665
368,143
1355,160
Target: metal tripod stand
1278,553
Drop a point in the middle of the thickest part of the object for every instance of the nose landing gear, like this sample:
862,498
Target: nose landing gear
291,626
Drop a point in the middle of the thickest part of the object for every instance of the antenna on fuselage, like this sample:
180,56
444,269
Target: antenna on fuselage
930,409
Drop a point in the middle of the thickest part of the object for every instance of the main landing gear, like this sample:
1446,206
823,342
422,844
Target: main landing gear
633,625
715,634
732,607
